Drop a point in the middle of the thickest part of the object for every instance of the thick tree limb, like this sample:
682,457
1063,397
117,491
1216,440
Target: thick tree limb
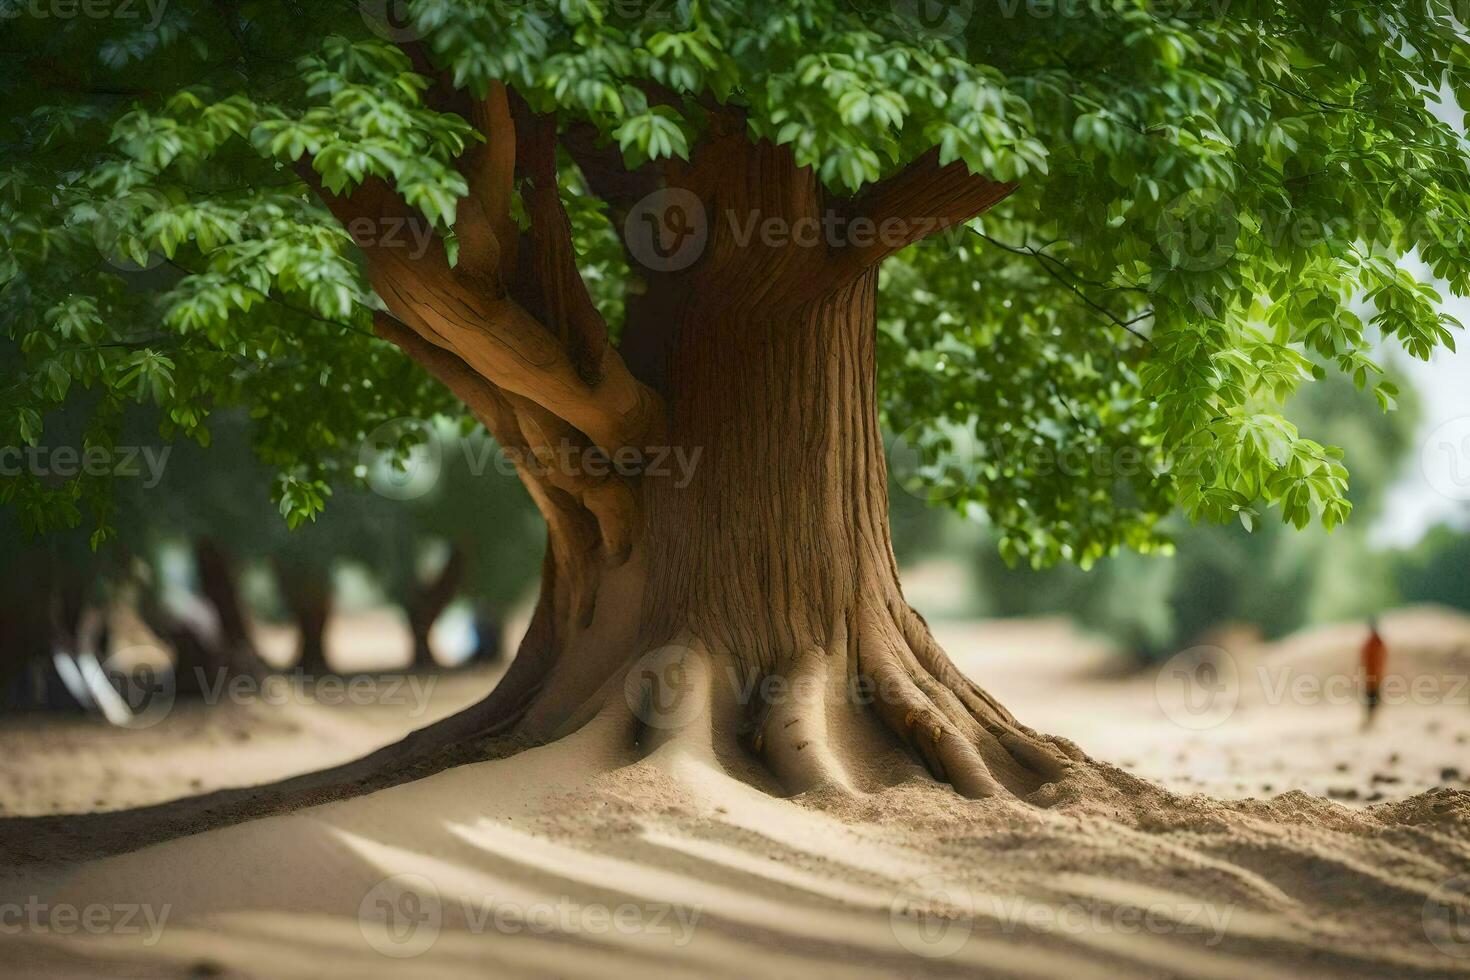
512,350
478,395
470,314
921,200
536,437
554,290
490,170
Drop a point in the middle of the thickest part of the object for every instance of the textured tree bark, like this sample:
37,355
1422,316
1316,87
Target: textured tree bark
770,562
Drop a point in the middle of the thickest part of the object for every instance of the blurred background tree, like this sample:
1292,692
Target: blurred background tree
202,555
421,531
1437,569
1265,577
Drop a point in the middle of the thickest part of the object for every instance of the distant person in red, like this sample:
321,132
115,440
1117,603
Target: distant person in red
1375,656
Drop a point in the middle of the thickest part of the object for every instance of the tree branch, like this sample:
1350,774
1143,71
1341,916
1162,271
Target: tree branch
490,170
554,289
1045,261
921,200
535,436
470,314
477,394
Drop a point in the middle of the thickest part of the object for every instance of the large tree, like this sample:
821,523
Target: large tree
654,232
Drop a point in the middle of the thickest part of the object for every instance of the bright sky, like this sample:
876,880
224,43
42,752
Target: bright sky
1435,483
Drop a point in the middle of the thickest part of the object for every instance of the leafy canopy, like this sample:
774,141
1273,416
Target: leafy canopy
1212,199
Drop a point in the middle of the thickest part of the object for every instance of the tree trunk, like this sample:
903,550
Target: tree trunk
28,636
770,576
428,604
43,616
749,567
232,652
312,613
306,589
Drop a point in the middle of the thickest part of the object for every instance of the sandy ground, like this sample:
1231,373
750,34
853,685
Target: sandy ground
241,736
1228,858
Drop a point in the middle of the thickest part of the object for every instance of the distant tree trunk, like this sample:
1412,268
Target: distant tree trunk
489,627
306,589
219,583
26,639
428,603
41,614
206,651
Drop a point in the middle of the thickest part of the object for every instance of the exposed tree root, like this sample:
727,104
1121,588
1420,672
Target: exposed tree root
890,671
480,732
885,676
792,737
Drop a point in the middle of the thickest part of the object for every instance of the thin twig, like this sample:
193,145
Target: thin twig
1041,257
